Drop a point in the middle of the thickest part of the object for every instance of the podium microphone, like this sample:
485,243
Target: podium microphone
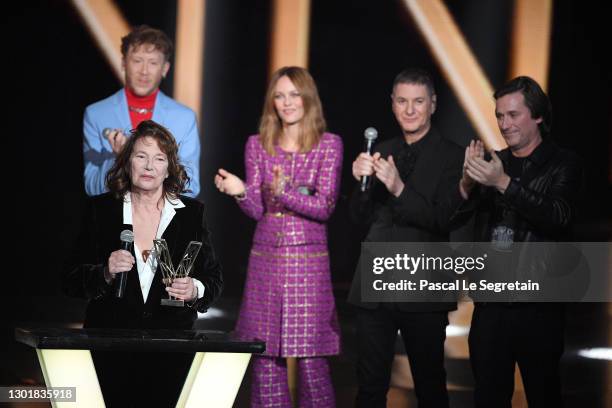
126,237
370,136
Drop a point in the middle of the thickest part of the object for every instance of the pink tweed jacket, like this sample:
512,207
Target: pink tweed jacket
312,181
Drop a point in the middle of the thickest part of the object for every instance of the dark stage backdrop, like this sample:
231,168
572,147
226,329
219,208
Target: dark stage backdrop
356,48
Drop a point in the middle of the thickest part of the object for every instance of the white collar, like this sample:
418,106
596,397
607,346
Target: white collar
168,211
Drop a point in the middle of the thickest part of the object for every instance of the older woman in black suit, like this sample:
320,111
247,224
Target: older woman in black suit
144,185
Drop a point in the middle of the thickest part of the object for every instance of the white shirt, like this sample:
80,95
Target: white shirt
146,269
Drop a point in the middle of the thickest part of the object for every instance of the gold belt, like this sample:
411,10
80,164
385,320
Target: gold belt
279,213
290,256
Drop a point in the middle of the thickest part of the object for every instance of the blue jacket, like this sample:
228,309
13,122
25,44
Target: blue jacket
112,112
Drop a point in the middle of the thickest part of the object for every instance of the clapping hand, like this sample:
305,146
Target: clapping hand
229,183
488,173
387,173
117,140
473,150
278,180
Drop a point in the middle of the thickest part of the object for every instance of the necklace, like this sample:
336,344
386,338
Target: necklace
145,254
141,111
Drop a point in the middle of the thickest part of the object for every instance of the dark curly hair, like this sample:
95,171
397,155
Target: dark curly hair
118,180
144,34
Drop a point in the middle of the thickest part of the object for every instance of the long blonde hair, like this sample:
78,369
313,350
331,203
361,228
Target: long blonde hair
312,124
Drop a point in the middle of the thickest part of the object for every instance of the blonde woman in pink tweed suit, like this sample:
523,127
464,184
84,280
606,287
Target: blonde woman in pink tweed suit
292,184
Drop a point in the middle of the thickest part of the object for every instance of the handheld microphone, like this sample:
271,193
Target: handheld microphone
126,237
107,131
370,136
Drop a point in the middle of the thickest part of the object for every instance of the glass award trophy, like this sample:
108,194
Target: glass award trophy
169,273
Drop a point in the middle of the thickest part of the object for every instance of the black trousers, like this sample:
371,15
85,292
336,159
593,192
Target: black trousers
423,335
530,335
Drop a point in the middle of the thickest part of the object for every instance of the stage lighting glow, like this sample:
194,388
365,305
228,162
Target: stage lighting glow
597,353
453,330
212,313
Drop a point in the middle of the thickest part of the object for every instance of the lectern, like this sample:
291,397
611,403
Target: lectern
214,378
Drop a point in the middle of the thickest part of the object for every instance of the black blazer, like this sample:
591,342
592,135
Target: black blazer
84,273
421,213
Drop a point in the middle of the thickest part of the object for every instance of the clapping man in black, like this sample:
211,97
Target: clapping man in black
524,193
412,197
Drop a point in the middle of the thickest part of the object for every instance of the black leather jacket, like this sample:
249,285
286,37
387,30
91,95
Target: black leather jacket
543,201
